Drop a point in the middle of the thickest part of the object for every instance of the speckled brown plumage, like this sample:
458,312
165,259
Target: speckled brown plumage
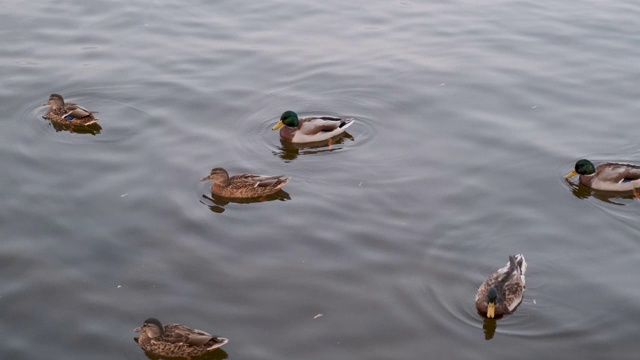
508,284
175,340
244,185
68,114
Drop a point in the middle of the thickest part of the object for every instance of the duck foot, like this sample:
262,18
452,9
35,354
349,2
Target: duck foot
329,143
635,193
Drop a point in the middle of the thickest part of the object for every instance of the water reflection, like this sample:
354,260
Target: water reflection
220,202
583,192
489,328
288,151
218,354
93,129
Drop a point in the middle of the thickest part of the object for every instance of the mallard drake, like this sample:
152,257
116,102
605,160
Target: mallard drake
502,292
175,340
244,185
68,113
608,176
311,129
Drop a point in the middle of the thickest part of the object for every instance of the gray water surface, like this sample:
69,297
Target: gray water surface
468,116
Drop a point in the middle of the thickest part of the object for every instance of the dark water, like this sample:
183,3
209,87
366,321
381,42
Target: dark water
468,115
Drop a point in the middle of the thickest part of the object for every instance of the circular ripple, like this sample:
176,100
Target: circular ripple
620,205
262,138
116,120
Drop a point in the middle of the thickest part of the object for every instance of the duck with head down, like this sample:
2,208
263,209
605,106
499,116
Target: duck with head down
175,340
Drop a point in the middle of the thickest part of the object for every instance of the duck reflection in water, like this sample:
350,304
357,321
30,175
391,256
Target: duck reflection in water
92,129
220,202
612,197
289,151
489,328
218,354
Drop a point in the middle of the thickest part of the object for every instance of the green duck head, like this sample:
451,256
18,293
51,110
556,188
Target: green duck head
288,118
583,167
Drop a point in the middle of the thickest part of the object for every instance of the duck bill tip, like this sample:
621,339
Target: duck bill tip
491,310
278,125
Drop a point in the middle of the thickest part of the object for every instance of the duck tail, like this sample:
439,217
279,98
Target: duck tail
346,123
519,262
218,341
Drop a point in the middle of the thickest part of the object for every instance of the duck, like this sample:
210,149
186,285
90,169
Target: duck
503,290
244,185
175,340
310,129
68,113
607,176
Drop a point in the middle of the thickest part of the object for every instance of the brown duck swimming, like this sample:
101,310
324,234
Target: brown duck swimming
175,340
244,185
68,113
607,176
503,290
311,129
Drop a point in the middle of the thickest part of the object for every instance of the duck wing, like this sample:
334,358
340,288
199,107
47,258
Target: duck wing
617,172
76,111
176,333
258,180
315,125
632,172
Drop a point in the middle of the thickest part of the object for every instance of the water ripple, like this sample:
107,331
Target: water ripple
262,138
622,206
119,120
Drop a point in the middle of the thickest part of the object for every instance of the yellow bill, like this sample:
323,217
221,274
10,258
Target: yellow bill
278,125
491,310
571,174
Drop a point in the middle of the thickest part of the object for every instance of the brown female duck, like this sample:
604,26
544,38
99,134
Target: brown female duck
175,340
68,114
244,185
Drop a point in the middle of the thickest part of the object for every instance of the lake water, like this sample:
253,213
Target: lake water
468,114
